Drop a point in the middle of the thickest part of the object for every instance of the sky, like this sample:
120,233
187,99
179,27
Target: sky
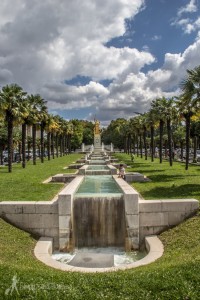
99,59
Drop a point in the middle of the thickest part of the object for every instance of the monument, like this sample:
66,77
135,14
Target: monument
97,135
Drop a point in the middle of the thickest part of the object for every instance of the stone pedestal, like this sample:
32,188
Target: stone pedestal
97,141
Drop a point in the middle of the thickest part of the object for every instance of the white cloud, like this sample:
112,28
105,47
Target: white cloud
136,91
45,43
189,8
62,96
188,25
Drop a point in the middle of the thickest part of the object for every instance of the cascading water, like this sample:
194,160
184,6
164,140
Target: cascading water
99,230
99,222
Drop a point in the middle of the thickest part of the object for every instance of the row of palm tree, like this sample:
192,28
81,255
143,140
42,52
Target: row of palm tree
177,109
164,117
19,109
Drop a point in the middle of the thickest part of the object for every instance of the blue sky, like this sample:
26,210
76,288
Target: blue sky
104,58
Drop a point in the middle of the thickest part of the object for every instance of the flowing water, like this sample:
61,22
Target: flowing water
120,256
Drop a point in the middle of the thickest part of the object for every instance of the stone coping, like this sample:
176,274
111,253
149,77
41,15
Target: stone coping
44,248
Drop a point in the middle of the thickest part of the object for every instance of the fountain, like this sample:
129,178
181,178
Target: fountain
95,222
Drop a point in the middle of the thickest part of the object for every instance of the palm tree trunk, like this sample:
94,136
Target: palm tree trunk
60,140
57,150
152,143
42,142
49,145
63,144
161,140
66,144
145,141
134,144
9,119
69,143
140,145
34,143
169,132
187,140
137,145
23,145
52,144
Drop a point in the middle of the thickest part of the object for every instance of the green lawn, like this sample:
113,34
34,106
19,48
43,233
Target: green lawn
176,275
26,184
166,182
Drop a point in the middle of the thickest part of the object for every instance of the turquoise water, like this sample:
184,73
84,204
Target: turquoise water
98,185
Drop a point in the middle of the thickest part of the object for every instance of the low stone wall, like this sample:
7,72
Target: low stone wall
65,178
131,199
157,216
112,170
65,202
134,177
53,218
40,218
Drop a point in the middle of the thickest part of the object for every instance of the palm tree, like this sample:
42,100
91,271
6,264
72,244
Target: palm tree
53,127
144,125
11,104
26,121
179,137
43,118
3,139
37,113
70,130
151,120
158,106
189,102
138,124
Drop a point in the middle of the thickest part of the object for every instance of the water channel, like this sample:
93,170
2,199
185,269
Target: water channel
98,222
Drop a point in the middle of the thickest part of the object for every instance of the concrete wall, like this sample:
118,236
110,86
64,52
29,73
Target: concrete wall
53,218
40,218
156,216
65,203
131,199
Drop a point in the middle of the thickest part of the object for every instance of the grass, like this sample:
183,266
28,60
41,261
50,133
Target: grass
166,182
26,184
176,275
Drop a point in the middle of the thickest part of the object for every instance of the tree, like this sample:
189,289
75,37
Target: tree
3,139
165,110
75,134
37,115
12,105
158,107
189,103
151,120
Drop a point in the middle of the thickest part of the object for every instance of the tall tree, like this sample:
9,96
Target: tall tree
189,103
11,104
37,112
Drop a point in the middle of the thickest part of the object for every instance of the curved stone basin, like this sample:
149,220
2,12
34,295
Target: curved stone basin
43,252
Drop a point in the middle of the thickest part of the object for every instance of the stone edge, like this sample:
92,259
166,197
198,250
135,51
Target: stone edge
44,248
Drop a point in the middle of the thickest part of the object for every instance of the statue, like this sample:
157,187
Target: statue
97,135
96,127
